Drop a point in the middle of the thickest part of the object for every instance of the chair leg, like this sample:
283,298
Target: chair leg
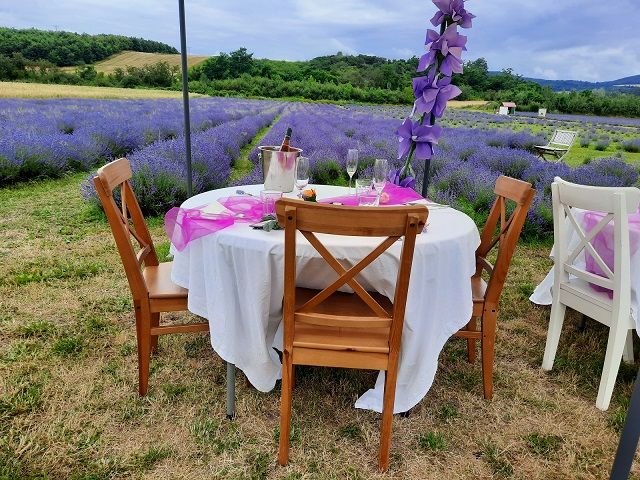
231,390
627,353
471,342
612,359
387,416
155,322
143,337
487,345
553,334
285,408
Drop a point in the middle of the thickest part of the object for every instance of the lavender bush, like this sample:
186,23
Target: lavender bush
49,137
46,138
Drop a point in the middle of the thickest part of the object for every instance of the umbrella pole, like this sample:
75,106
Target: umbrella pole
185,96
425,178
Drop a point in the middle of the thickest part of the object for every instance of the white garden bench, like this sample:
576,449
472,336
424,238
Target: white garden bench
559,146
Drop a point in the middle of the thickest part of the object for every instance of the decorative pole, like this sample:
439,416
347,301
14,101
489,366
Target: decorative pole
185,96
432,91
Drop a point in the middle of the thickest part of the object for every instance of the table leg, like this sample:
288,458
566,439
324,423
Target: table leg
231,390
582,326
629,438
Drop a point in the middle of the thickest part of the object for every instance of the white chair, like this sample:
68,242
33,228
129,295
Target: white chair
571,284
559,145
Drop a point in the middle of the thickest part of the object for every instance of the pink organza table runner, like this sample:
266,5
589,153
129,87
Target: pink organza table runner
603,243
397,196
183,225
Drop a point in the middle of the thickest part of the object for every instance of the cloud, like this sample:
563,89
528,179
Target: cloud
546,73
570,39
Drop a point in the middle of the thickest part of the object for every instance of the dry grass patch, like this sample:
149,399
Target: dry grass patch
42,90
68,380
139,59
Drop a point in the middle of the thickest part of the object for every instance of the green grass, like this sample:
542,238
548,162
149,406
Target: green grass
68,381
544,445
243,165
434,441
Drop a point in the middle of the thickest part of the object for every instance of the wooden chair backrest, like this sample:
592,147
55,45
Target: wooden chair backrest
503,233
615,203
126,222
563,138
311,218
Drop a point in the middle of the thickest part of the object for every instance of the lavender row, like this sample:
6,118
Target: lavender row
46,138
463,171
159,170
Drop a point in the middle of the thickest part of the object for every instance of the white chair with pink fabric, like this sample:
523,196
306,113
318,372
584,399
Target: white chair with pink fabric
601,290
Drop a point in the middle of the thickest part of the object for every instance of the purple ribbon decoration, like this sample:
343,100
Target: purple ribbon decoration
184,225
603,243
397,196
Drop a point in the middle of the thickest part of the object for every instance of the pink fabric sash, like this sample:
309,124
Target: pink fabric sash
603,243
183,225
397,196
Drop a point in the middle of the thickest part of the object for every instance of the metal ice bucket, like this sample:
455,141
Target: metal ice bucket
278,168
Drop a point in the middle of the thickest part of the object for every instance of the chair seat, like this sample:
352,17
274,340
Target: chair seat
551,149
478,290
375,340
159,284
342,338
582,289
341,303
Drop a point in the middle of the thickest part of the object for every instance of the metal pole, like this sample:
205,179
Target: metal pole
425,178
185,96
231,390
629,438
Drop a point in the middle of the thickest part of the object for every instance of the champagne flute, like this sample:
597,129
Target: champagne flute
302,174
380,172
352,164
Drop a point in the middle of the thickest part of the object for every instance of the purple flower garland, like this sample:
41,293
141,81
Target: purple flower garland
433,90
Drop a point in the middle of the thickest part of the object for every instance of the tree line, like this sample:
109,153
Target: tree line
69,49
340,78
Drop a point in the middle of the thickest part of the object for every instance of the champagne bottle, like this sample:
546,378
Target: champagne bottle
285,143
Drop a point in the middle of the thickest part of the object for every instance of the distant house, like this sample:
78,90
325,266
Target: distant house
510,106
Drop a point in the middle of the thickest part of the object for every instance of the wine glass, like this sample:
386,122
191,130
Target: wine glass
302,174
352,164
380,172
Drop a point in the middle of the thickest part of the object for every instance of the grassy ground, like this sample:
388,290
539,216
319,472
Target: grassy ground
139,59
69,408
41,90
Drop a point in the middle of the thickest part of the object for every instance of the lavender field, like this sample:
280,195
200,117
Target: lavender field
47,138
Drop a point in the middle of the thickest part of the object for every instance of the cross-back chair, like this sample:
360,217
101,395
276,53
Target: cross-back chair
571,282
151,287
501,231
333,329
559,145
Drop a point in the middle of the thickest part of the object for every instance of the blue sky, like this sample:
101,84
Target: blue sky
556,39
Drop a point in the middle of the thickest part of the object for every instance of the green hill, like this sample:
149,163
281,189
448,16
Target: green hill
68,48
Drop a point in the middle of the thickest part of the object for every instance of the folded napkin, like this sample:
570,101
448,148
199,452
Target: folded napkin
397,196
183,225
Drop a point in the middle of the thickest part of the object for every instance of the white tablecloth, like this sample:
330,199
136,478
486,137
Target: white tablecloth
236,280
543,294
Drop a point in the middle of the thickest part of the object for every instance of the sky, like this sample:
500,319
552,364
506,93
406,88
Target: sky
591,40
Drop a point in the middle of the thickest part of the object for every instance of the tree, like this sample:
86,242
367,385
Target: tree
240,62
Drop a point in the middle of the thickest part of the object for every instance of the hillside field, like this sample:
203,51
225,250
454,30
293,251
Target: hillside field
139,59
41,90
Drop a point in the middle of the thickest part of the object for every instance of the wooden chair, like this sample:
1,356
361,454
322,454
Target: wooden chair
486,294
151,287
571,284
559,145
333,329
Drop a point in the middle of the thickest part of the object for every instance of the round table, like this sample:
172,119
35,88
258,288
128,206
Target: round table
235,279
